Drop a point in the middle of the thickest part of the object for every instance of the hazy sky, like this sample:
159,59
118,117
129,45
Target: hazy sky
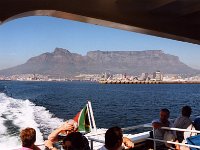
27,37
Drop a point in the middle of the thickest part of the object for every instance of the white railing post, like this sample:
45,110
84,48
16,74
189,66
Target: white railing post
91,144
92,116
154,142
89,117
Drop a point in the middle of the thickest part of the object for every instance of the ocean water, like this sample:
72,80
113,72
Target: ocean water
45,105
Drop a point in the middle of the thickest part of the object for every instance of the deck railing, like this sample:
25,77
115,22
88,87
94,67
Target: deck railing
148,125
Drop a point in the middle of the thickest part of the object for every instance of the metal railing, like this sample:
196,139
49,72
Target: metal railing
148,125
175,143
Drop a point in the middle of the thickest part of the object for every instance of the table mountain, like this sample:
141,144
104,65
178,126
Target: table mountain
63,62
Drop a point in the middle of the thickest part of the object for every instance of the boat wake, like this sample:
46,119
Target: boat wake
16,114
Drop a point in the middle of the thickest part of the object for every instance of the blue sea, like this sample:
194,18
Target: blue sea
45,105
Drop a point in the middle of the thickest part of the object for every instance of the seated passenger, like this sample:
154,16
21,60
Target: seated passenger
114,139
161,133
28,138
183,122
66,128
68,131
78,141
73,141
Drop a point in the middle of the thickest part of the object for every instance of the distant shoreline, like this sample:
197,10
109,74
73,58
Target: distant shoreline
51,81
149,82
117,82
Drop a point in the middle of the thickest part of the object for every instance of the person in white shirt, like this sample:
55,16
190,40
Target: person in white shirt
183,122
161,133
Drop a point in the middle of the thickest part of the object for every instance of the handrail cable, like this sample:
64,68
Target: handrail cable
178,129
175,143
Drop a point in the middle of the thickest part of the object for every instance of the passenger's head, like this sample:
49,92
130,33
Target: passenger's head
186,111
164,115
113,138
74,141
67,144
28,137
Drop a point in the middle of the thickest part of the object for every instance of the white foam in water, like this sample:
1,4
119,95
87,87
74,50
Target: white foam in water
23,113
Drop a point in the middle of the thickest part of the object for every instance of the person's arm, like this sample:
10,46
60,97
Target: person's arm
49,145
127,142
53,137
175,123
156,125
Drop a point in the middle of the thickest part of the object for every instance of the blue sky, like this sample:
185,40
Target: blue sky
30,36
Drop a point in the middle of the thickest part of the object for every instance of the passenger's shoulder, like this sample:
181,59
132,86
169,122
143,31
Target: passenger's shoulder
156,121
171,124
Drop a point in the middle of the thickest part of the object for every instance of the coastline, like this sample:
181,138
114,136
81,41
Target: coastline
149,82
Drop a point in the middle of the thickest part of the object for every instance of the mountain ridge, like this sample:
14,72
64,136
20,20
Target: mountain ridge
63,62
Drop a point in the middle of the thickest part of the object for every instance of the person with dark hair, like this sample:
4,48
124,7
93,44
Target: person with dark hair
28,138
114,140
186,111
162,134
183,122
78,141
73,141
67,133
163,121
66,128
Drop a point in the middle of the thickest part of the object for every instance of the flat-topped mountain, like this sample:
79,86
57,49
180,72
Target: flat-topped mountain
63,62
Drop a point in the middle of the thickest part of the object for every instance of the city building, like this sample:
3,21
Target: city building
157,76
